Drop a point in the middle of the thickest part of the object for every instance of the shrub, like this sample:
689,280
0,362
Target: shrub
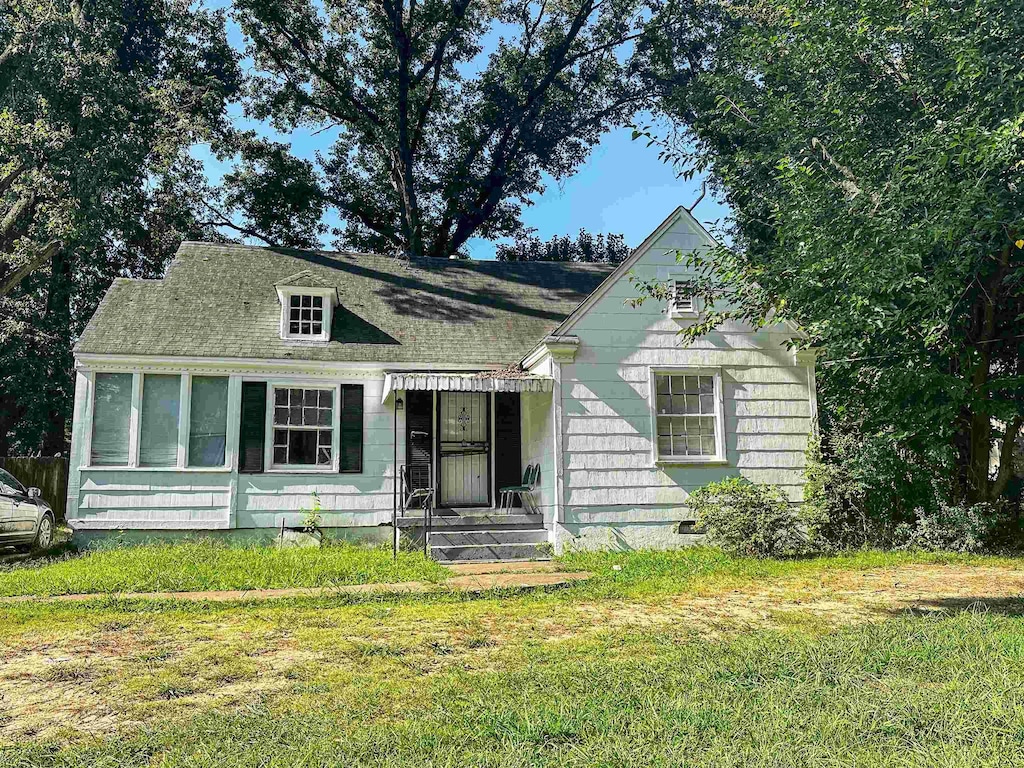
960,528
864,491
747,519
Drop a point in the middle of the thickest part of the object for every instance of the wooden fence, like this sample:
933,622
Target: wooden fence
48,474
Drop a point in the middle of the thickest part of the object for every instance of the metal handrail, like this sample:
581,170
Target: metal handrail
426,498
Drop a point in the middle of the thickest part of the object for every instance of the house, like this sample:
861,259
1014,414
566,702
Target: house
222,396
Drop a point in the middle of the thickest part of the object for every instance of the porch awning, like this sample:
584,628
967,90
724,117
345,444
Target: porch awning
497,381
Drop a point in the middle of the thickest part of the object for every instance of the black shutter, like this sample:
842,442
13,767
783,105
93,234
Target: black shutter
419,445
252,426
351,459
508,440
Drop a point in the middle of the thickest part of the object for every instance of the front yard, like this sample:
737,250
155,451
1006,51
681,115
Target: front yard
687,658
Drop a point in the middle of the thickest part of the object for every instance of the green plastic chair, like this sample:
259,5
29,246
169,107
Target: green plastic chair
507,495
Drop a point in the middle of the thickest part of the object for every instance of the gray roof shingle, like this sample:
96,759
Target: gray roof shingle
220,301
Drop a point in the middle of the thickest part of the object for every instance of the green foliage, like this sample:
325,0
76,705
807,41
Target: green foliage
99,105
870,153
586,247
978,528
447,116
747,519
311,518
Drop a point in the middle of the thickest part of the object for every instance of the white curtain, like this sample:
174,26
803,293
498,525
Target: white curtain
208,422
111,418
158,436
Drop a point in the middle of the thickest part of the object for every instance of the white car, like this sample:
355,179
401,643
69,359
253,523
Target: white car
25,519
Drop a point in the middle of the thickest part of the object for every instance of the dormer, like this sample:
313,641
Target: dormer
307,306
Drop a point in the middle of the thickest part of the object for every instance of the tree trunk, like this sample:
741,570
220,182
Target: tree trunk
60,388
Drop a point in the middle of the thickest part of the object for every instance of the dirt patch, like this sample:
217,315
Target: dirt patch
837,597
99,678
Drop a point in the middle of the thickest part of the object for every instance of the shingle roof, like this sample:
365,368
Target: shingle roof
220,301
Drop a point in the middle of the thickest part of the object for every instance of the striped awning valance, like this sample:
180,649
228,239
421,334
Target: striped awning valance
466,382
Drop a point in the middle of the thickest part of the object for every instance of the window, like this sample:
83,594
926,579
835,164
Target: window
688,416
111,419
682,302
158,435
303,423
208,421
305,315
10,485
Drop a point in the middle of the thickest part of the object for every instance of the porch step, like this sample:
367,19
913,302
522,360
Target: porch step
489,552
475,522
455,538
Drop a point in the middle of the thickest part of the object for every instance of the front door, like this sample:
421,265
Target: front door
464,447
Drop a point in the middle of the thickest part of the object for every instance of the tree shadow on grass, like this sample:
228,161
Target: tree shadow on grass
1002,606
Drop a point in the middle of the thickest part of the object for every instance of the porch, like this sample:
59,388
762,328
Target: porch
459,439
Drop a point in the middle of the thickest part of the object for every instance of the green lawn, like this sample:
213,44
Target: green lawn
208,565
653,662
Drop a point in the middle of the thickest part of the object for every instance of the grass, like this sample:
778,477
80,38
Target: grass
622,670
201,565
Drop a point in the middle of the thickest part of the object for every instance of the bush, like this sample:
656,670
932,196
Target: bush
864,491
958,528
747,519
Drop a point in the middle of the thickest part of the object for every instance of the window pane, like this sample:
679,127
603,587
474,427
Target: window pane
707,443
678,387
664,404
318,301
158,434
293,327
707,385
692,404
707,403
301,446
691,384
111,419
318,328
661,385
208,421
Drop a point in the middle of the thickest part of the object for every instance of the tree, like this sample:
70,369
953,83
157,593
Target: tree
586,247
99,103
438,139
871,153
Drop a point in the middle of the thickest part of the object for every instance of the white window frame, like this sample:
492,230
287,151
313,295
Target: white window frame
329,296
135,422
673,308
720,456
268,436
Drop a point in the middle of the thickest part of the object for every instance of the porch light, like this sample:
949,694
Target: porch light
399,404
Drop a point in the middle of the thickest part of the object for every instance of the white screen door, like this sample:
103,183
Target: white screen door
465,449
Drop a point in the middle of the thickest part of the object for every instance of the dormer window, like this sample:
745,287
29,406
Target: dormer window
305,315
307,303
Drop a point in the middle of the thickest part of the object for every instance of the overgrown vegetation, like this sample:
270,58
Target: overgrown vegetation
201,565
747,519
869,152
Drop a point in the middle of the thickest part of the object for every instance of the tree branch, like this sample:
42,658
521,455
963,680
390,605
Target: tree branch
41,257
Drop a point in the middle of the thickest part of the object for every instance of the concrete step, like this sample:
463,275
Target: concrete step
492,552
476,522
449,538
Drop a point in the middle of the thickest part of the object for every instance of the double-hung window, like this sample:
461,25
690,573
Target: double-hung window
303,423
688,416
